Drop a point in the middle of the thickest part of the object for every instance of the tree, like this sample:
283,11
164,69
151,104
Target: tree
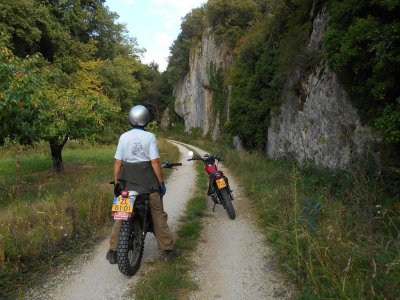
119,79
64,32
361,46
230,18
78,110
39,102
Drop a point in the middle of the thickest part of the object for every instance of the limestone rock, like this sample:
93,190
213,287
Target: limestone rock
165,119
193,94
317,122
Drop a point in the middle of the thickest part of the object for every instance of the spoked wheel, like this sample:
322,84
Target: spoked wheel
130,247
227,202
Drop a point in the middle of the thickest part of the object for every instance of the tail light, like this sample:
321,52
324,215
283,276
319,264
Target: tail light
125,194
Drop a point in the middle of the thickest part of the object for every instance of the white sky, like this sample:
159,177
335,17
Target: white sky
155,24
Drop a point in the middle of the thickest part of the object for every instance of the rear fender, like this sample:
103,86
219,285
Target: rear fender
216,175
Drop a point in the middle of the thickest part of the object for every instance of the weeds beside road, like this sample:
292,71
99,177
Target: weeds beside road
46,217
335,233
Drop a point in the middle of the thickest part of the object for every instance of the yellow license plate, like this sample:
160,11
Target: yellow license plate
122,205
221,183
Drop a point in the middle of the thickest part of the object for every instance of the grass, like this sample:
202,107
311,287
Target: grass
335,233
46,218
168,280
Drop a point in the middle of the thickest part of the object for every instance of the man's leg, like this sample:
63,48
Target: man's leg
115,235
161,229
112,253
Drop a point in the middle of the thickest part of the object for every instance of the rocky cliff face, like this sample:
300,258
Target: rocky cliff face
193,94
316,121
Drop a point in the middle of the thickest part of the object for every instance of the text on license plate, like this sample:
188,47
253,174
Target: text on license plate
123,205
221,183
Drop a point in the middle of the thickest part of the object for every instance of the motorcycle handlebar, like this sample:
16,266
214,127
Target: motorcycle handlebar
204,158
169,165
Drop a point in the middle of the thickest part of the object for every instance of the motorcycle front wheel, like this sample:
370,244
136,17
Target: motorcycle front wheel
130,247
227,202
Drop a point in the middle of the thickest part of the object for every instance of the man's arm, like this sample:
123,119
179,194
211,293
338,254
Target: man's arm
117,169
155,163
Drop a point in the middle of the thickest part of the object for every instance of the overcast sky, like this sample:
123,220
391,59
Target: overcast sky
155,23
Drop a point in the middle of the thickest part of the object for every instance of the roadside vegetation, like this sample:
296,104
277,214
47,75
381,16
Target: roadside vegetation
169,280
335,233
45,219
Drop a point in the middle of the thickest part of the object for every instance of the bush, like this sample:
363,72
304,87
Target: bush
361,46
228,19
267,53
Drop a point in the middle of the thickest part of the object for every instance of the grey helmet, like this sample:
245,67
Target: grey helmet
139,116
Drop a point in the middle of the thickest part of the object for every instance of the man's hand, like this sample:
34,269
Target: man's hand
117,189
163,189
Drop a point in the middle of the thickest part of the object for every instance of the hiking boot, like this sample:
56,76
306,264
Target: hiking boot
172,254
112,256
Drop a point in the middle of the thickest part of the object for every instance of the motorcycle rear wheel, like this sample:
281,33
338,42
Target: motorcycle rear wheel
227,202
130,247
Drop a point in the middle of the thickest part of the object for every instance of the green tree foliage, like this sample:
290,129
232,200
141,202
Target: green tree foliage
20,106
362,46
119,79
66,107
229,18
267,53
219,90
389,122
39,102
63,31
18,26
155,89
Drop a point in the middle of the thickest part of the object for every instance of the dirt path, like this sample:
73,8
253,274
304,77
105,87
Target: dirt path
92,277
232,260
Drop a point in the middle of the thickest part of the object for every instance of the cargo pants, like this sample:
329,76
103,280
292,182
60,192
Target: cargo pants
161,229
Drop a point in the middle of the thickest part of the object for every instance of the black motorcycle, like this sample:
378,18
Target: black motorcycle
134,211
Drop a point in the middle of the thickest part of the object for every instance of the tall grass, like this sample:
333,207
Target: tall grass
335,233
57,214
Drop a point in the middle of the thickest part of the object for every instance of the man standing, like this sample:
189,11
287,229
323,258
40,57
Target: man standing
137,167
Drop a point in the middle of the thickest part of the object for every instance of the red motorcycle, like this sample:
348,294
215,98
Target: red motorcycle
218,188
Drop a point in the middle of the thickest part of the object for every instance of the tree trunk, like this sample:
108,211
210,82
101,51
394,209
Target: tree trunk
56,153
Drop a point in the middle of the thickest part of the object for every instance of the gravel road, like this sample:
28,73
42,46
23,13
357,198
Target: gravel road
232,261
92,277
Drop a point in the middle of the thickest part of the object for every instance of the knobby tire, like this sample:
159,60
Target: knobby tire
227,201
130,247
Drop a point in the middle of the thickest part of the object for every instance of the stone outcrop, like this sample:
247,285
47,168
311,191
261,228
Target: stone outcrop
317,122
165,119
193,93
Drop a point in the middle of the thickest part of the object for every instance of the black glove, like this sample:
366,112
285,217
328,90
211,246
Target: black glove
117,189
